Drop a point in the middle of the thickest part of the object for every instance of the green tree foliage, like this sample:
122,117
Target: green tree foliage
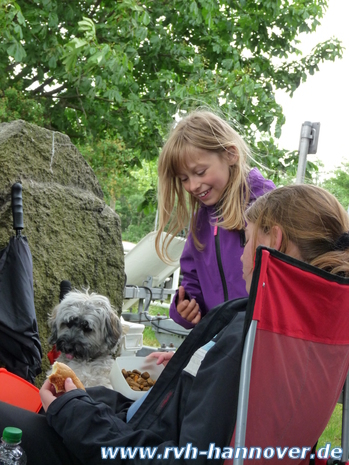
137,205
112,74
128,184
122,69
338,184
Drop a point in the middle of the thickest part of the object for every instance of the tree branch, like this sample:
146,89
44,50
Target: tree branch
38,89
54,91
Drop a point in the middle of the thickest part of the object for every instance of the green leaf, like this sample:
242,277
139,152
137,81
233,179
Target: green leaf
70,61
78,43
16,51
52,62
113,94
141,33
228,63
194,8
86,25
18,31
52,20
145,19
20,18
97,57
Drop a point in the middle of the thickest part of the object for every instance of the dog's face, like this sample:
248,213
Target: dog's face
84,326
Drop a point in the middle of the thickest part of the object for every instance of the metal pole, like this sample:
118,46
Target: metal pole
307,144
345,422
244,392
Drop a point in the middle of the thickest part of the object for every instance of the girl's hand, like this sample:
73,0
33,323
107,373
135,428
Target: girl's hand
190,311
162,357
48,392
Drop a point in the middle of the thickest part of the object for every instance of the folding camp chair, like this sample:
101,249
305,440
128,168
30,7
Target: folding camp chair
295,359
345,422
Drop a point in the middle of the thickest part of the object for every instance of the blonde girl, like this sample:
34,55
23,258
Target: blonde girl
205,183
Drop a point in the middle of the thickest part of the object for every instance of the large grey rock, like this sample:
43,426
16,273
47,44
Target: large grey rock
72,233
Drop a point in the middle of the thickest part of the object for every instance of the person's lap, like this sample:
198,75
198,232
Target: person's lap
41,443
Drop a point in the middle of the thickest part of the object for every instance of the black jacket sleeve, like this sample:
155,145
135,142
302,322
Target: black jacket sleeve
202,408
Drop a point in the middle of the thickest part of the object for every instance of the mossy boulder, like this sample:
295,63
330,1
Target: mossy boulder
73,235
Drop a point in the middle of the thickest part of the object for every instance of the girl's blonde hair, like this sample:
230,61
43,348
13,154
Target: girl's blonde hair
177,209
311,218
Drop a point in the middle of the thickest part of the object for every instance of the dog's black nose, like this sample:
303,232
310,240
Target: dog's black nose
65,347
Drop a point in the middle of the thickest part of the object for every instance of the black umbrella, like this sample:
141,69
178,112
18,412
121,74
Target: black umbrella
20,347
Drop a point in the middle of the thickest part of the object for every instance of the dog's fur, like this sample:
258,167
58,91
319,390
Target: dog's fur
87,331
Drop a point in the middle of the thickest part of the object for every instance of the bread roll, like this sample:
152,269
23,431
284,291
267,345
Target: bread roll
60,372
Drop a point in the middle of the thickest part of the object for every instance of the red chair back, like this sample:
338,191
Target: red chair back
300,358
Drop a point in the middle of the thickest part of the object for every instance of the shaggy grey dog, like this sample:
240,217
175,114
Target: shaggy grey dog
86,330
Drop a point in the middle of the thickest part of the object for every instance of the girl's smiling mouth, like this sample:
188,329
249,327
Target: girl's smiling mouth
204,194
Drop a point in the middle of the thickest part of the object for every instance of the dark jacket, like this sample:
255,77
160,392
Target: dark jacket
182,407
214,275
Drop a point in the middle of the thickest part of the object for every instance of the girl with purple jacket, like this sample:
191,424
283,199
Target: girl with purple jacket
205,182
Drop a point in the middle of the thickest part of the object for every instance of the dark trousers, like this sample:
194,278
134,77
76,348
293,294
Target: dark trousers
41,443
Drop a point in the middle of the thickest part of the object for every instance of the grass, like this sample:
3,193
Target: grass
333,430
149,338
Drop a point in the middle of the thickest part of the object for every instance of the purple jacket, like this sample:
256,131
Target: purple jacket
214,275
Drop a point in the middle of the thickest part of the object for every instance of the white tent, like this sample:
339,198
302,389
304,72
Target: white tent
142,262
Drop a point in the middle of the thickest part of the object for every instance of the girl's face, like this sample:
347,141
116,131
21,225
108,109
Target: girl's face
206,175
247,257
